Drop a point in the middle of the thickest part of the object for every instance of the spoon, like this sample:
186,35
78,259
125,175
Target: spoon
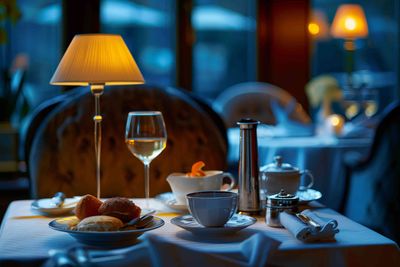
58,199
139,219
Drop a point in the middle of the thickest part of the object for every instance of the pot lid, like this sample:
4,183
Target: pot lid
282,199
279,167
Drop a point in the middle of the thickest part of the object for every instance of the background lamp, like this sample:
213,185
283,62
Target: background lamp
97,60
349,24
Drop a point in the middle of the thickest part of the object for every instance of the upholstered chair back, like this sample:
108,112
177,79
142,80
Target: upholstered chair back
62,156
373,183
258,100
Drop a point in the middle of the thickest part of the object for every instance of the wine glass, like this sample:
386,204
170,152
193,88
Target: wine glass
351,104
370,102
146,138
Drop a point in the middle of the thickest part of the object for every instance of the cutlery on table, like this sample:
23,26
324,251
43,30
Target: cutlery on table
141,221
309,221
58,199
82,257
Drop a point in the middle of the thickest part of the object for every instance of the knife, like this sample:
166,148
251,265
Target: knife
58,199
309,221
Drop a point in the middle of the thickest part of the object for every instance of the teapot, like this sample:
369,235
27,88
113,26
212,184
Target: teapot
279,175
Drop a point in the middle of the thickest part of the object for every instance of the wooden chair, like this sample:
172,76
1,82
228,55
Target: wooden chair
62,153
255,100
372,188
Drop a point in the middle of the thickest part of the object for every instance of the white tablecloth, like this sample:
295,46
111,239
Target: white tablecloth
323,156
26,237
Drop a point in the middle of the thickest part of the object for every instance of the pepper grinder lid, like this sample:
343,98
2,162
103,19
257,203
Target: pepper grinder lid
282,199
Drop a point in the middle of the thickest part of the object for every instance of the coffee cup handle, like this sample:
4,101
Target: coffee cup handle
231,178
307,173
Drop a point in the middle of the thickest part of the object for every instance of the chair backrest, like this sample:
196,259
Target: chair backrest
255,100
62,152
373,185
35,118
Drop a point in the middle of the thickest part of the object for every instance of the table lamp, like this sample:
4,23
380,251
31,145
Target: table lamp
349,24
97,60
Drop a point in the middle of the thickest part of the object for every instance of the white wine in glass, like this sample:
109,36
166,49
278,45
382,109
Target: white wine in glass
146,149
351,103
370,99
370,107
146,138
351,109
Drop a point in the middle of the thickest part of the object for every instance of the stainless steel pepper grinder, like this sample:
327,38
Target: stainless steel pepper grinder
249,193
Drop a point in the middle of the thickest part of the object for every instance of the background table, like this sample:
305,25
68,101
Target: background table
25,238
323,156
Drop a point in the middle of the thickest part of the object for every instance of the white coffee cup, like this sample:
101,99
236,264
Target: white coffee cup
212,208
182,184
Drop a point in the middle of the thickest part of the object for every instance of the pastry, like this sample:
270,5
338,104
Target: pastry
87,206
120,207
100,223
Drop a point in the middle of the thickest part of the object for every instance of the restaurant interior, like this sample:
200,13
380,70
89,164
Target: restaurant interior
291,107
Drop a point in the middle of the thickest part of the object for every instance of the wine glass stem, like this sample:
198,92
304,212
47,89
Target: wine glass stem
147,182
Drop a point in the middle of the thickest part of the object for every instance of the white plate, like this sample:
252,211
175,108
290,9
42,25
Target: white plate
46,206
103,239
308,195
168,199
235,224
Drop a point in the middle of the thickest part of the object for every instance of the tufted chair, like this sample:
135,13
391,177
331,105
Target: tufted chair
62,153
256,100
372,192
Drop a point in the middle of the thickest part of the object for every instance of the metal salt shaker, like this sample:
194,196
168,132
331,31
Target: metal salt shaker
279,203
249,193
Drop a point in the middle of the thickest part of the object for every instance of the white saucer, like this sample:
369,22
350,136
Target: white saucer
46,206
235,224
169,200
308,195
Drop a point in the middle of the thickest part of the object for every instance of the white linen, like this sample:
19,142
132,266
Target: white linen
155,250
27,237
306,233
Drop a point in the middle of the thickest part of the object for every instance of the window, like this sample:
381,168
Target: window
148,28
33,44
224,52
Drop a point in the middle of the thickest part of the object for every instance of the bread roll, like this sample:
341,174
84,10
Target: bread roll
87,206
100,223
121,208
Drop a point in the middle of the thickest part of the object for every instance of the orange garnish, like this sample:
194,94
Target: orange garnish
197,169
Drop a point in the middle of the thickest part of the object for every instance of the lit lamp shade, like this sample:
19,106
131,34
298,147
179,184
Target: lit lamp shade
97,59
349,22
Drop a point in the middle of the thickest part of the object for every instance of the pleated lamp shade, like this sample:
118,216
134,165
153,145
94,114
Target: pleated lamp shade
97,59
349,22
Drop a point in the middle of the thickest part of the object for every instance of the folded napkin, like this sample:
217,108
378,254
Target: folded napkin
307,233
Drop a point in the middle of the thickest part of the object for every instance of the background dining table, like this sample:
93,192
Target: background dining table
323,155
26,239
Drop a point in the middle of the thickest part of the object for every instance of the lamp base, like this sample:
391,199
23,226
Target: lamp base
97,90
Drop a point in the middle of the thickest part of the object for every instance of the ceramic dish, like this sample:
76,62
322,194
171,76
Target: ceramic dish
46,206
235,224
308,195
168,199
103,239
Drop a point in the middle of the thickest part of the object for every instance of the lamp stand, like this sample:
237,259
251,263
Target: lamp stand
97,90
349,47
